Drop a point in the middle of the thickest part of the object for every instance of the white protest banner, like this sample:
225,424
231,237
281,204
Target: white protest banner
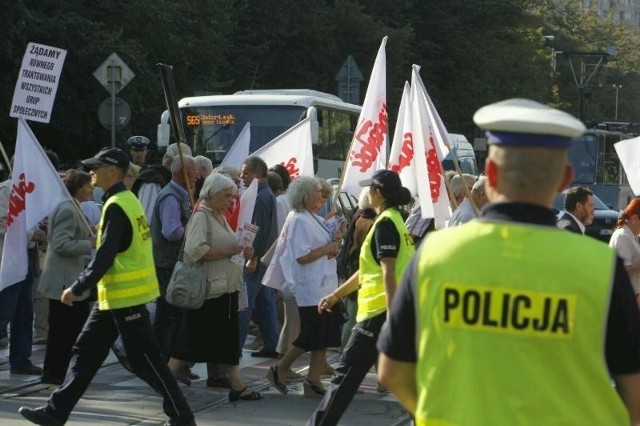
292,149
37,83
36,189
629,153
247,205
368,151
239,150
402,158
434,200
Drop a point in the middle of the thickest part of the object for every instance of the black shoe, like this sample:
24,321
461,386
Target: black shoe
264,353
39,416
191,375
174,423
235,395
29,370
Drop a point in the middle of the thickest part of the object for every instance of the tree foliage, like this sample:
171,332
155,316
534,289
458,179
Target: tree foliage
472,52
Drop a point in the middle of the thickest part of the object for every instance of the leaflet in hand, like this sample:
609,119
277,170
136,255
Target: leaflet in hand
246,237
335,224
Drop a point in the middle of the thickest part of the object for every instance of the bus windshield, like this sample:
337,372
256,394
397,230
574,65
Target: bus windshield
213,129
582,155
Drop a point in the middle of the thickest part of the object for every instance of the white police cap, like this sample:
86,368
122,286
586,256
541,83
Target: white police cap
523,122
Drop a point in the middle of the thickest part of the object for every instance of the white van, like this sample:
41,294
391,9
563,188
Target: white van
464,153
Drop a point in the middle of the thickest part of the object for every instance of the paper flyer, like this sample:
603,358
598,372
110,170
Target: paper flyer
247,235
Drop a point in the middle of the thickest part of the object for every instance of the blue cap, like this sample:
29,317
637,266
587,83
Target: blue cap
523,122
138,141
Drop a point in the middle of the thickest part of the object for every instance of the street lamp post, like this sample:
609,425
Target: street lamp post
617,87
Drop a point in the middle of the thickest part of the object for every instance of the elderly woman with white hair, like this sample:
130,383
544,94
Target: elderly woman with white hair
212,331
309,268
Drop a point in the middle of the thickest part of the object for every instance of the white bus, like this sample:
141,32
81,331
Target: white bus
212,123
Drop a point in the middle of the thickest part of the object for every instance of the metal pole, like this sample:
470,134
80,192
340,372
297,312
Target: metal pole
617,87
113,103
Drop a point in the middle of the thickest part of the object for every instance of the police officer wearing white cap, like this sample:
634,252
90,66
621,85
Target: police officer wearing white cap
507,319
138,148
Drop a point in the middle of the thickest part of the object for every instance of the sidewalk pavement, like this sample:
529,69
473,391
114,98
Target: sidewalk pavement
118,398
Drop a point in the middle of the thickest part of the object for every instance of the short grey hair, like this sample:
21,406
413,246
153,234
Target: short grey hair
232,172
478,187
457,184
363,200
301,191
214,184
176,164
203,164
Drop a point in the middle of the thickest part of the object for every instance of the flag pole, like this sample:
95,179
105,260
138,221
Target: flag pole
169,89
6,159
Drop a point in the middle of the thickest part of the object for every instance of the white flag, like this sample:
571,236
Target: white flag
36,189
402,158
368,151
434,200
629,154
247,205
239,151
443,144
292,149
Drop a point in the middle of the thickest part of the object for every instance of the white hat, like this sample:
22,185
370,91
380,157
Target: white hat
523,122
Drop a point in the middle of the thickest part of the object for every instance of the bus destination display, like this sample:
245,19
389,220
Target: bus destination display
211,119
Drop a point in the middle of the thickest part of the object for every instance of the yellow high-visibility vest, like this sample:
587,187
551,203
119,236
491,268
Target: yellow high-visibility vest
131,280
372,297
510,326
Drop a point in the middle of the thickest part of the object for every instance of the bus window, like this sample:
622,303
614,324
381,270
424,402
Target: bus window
582,155
213,129
610,170
335,131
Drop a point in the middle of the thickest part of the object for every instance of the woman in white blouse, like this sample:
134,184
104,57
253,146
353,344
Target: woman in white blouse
309,268
625,241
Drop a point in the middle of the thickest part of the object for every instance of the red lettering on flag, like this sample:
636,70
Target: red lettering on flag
294,172
406,154
17,198
370,147
434,169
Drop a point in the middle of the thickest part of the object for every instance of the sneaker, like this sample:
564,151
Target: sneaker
29,370
264,353
39,416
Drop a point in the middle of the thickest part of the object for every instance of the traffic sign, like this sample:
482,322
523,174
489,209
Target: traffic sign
122,113
113,74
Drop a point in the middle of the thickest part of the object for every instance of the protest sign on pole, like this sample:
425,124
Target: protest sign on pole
401,157
37,82
239,150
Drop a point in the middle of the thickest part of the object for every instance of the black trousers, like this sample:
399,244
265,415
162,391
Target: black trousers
356,360
92,347
169,322
65,324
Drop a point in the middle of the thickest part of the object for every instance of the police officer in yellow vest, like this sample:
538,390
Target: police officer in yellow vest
506,319
124,273
384,255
